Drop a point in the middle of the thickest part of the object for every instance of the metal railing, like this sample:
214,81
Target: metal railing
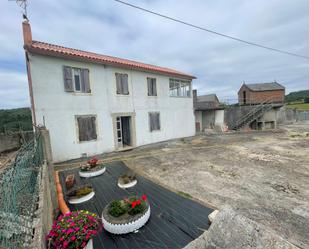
19,187
254,114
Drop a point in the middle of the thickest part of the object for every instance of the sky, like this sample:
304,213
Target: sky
220,65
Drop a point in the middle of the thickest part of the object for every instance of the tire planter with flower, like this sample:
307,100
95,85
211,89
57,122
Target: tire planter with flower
127,181
91,169
74,230
80,194
126,216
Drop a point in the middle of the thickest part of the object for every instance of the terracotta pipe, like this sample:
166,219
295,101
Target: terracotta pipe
61,202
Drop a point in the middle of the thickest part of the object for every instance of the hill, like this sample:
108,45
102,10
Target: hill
15,119
297,96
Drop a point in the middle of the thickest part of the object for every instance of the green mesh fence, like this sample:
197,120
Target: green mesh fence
19,187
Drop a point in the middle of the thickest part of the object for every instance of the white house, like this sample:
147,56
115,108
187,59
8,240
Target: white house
94,103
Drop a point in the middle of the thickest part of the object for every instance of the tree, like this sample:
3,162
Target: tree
306,100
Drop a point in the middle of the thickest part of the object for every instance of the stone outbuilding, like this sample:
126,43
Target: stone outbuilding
208,111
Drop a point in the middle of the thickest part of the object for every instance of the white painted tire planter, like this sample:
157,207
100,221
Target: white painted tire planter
124,228
82,199
91,173
128,185
89,244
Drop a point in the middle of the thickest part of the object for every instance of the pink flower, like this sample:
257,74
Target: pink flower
65,244
83,244
73,238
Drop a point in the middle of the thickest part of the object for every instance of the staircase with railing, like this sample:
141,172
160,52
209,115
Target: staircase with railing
256,112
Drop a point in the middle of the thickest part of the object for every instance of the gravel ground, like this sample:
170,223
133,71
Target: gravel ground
263,175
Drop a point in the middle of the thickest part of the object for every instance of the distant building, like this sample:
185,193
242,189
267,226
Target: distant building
93,103
249,94
207,111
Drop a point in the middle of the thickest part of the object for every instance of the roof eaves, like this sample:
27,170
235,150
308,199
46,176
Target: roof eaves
126,64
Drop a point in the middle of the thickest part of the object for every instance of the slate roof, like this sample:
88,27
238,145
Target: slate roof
207,102
265,86
75,54
208,97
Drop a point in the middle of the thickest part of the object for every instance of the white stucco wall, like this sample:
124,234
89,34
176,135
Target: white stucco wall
58,108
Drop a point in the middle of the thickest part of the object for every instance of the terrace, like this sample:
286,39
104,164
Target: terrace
174,222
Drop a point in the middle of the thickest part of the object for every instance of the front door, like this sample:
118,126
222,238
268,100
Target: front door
123,131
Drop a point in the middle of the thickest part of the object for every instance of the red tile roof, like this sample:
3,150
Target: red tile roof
64,52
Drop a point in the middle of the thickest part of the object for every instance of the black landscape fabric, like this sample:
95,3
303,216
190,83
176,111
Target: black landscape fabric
174,222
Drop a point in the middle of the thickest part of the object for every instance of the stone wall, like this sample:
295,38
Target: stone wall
9,142
13,141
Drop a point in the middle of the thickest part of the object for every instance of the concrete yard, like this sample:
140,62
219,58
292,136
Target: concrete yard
262,175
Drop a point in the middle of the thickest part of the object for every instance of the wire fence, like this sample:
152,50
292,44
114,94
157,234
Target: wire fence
19,188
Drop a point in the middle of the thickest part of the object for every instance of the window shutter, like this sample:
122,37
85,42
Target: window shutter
158,121
81,129
93,130
85,81
150,121
124,83
68,80
149,86
118,83
154,87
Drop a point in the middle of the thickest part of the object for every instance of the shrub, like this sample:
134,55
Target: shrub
80,192
306,100
73,230
117,208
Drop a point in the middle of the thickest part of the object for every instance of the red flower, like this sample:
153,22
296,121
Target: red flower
133,204
138,202
144,197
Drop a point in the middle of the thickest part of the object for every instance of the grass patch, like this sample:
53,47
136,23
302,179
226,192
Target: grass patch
183,194
299,106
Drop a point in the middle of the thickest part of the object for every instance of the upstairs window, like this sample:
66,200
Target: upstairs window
154,121
122,87
86,128
76,79
152,86
180,88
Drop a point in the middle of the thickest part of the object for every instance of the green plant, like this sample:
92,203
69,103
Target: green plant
80,192
132,206
127,178
306,100
117,208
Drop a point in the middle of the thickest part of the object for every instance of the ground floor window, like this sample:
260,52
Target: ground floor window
86,127
154,121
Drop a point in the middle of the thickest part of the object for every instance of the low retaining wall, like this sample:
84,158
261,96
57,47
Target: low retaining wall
44,220
288,115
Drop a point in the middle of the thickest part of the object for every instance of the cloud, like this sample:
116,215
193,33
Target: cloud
220,64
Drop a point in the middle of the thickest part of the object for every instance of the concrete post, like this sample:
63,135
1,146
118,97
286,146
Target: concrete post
48,156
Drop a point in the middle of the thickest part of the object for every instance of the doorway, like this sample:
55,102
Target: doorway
123,131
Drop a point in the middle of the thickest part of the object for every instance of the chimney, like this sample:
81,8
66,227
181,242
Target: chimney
194,95
27,33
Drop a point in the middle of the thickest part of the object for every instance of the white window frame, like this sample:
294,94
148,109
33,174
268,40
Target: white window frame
80,79
181,89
